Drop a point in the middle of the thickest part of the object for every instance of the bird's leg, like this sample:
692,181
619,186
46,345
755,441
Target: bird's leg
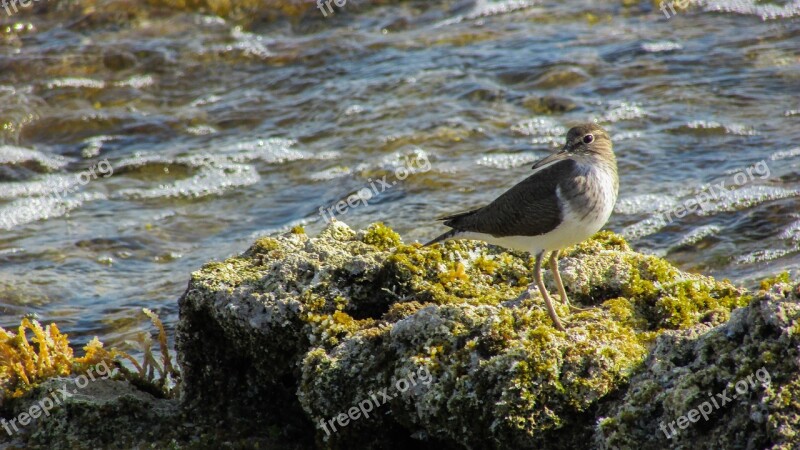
537,275
557,276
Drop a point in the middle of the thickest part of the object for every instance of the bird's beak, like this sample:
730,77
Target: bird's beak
555,157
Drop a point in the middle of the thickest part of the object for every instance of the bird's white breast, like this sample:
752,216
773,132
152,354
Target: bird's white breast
584,223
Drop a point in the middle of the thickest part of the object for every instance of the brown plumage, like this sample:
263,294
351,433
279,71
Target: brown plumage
530,208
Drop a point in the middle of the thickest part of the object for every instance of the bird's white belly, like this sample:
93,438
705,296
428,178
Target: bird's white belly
576,226
568,233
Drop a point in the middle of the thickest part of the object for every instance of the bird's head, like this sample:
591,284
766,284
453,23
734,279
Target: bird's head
588,143
588,139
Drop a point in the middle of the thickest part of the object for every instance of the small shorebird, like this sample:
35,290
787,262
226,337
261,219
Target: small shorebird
568,198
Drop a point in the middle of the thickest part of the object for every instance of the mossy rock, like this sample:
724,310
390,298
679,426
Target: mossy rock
352,336
320,324
741,380
79,413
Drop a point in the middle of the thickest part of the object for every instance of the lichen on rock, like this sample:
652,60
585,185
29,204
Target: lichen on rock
759,346
323,323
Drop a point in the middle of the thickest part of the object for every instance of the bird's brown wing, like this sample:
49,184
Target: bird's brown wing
530,208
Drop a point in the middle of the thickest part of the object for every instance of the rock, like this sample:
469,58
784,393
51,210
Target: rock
355,337
84,413
548,104
327,326
119,60
558,77
741,379
117,414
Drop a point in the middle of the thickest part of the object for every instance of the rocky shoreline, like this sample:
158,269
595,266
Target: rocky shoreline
349,336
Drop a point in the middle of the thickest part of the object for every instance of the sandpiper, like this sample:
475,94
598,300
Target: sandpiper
567,199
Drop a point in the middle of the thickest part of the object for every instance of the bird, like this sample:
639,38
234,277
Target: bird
568,198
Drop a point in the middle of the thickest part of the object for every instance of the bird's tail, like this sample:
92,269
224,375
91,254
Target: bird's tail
443,237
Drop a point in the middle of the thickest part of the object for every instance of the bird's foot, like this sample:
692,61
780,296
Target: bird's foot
573,308
565,300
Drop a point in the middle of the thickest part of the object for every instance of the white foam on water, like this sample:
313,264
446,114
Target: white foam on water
250,44
744,198
353,110
645,204
698,234
139,159
76,83
623,111
46,185
211,21
94,144
224,167
201,130
626,135
245,43
268,150
658,206
273,150
137,82
331,174
735,128
484,8
767,11
32,209
644,227
792,232
661,46
413,160
785,154
761,256
11,154
543,130
210,180
207,100
506,160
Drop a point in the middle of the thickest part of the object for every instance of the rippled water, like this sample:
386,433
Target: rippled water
139,141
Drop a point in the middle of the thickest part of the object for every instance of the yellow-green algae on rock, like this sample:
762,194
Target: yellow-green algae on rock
347,314
759,346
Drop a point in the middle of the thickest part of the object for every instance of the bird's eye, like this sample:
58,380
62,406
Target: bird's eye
588,139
